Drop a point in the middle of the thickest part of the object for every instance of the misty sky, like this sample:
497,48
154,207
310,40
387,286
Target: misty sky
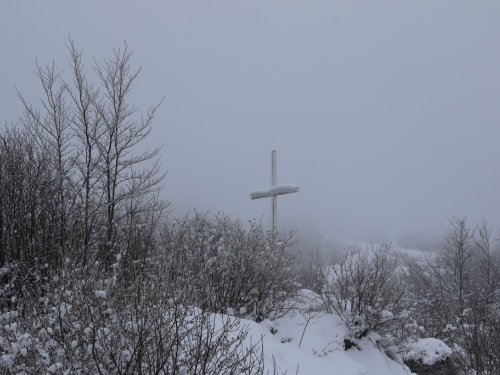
386,114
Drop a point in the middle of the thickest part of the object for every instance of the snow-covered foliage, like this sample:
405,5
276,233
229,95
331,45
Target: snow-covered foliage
230,270
364,288
452,296
85,324
150,326
456,296
159,314
428,351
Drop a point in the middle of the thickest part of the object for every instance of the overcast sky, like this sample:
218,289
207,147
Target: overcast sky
386,114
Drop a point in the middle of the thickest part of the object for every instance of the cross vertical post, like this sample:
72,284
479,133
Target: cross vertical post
274,182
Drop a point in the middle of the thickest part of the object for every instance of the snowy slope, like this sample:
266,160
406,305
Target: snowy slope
321,350
342,244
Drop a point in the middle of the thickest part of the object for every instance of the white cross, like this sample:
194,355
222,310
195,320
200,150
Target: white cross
274,190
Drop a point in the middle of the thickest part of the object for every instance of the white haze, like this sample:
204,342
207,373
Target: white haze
385,114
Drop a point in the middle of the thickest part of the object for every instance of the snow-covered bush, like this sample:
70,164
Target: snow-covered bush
428,351
456,296
228,269
364,288
430,355
478,337
89,323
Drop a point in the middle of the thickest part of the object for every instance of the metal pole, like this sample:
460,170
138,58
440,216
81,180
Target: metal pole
274,181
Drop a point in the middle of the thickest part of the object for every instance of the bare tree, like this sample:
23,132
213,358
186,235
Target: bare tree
87,126
487,262
50,128
90,134
123,180
457,256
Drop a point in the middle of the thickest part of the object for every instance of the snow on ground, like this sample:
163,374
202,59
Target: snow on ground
374,361
321,350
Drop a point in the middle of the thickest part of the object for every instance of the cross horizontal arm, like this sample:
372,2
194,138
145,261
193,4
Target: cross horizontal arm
274,190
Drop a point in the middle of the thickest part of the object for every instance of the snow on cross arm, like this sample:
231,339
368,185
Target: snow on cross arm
274,190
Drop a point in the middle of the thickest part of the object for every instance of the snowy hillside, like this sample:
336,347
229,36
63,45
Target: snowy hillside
343,243
318,348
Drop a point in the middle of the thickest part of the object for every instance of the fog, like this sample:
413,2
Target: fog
385,114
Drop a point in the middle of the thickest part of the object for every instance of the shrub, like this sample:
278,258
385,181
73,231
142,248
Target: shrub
228,269
456,296
363,288
430,356
87,324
